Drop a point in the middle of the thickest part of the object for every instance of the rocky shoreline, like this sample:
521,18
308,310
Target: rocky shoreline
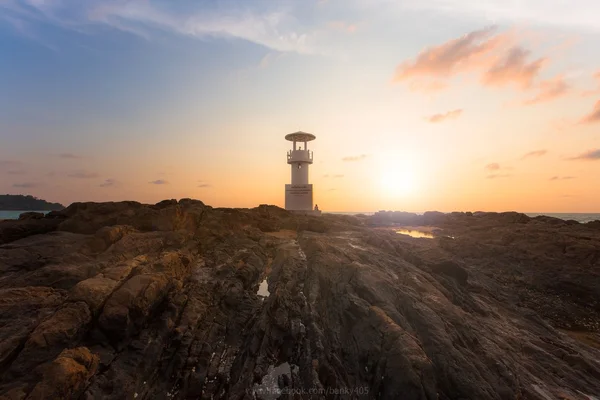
125,300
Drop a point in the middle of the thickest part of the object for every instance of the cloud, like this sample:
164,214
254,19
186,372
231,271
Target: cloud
25,185
514,68
159,182
275,26
550,90
594,116
331,190
204,185
495,176
326,176
83,175
69,156
448,58
16,172
492,167
354,158
592,155
436,118
338,176
535,153
109,183
497,58
561,178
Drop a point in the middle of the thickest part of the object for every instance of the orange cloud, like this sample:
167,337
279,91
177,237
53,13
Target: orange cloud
594,116
451,57
536,153
492,167
497,58
514,68
551,89
436,118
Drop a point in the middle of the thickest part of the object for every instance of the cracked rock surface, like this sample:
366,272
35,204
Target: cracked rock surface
132,301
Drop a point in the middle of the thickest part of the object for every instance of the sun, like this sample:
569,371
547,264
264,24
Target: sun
398,181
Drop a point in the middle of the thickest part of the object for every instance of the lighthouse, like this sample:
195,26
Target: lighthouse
299,194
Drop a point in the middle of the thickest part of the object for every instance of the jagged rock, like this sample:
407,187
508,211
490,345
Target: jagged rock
126,300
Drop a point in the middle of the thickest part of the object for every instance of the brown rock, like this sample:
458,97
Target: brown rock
128,308
67,376
61,330
93,292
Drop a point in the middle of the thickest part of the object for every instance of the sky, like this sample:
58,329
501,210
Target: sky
449,105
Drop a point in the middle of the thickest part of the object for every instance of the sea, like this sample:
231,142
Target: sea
579,217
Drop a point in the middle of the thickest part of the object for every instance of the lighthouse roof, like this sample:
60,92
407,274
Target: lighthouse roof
300,137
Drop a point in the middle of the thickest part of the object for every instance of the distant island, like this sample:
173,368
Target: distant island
19,202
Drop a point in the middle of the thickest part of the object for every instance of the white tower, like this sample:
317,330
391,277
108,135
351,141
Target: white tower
299,194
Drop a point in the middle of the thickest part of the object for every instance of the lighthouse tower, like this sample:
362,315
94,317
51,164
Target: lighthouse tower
299,194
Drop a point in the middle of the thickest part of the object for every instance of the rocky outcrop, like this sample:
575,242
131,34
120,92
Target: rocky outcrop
180,300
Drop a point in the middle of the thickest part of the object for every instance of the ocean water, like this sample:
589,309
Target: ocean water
15,214
579,217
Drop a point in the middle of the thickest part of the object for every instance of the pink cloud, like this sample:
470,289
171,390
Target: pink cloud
492,167
514,68
497,58
551,89
594,116
451,57
535,153
436,118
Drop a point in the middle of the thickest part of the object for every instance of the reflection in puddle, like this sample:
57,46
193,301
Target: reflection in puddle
263,289
415,234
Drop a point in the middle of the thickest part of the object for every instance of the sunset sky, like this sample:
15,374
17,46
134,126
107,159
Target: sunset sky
416,105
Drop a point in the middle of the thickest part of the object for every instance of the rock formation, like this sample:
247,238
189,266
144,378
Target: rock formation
125,300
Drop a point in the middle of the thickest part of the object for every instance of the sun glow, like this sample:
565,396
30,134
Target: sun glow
398,180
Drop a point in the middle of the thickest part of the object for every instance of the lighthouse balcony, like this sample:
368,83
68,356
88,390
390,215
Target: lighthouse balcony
305,156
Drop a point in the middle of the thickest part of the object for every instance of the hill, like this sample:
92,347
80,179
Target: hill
19,202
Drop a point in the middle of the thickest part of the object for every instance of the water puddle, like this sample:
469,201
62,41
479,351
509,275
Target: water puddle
414,233
263,289
269,386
